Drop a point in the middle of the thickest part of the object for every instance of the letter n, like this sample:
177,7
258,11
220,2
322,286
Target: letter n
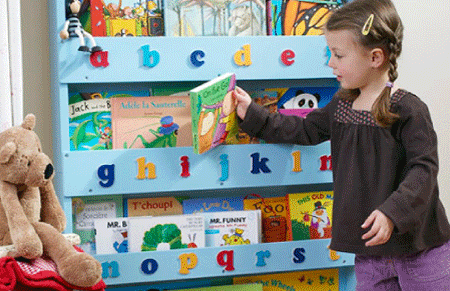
324,163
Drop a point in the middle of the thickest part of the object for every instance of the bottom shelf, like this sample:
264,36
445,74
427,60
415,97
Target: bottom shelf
188,264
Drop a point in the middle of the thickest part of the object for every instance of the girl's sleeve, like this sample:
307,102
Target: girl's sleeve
418,187
278,128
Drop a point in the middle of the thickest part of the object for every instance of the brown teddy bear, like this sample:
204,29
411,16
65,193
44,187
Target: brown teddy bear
31,218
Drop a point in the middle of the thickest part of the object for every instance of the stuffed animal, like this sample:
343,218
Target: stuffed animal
31,218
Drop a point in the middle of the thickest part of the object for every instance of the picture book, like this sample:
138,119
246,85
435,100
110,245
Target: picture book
237,287
126,18
265,98
88,208
152,206
299,17
273,214
302,100
314,280
213,113
232,227
151,122
165,232
90,119
310,215
213,204
234,18
111,235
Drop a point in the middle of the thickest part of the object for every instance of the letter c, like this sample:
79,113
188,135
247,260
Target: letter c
196,56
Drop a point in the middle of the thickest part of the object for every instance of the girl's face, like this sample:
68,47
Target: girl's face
351,63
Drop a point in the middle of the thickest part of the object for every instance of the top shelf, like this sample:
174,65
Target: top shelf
128,59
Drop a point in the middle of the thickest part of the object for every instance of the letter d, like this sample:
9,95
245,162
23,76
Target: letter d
243,57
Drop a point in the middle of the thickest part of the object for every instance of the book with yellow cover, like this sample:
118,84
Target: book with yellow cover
240,287
309,215
315,280
270,207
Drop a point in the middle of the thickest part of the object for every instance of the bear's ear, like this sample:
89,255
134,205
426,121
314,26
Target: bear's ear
7,151
29,122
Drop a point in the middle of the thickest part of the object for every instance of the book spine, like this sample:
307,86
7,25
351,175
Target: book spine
289,236
195,114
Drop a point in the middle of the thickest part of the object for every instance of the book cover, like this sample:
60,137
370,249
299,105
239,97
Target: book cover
151,122
237,287
302,100
88,208
126,18
266,98
300,17
213,204
90,118
166,233
270,208
152,206
232,227
213,112
111,235
310,215
315,280
211,18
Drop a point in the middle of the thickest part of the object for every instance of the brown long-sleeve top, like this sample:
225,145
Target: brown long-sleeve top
390,169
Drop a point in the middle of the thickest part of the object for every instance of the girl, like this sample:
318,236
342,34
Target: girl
386,201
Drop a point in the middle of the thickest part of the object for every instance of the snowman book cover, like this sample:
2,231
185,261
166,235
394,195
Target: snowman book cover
309,215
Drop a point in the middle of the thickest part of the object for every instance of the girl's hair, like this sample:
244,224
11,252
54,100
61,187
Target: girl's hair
386,32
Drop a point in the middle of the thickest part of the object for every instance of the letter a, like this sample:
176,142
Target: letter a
99,59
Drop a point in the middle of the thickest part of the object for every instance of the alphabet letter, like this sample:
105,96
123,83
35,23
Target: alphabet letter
113,266
151,58
99,59
297,161
228,262
187,261
261,255
243,57
106,173
259,165
142,167
185,167
287,56
195,58
324,161
149,266
224,164
299,256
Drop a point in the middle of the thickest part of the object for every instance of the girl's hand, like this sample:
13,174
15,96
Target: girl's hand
381,229
242,101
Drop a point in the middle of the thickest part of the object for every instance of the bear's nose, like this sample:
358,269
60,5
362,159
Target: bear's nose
48,171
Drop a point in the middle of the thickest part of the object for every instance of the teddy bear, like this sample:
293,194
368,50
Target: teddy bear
31,217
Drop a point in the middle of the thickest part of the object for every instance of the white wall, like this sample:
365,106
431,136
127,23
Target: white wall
424,69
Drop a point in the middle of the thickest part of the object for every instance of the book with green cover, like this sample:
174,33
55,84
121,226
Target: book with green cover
88,208
213,113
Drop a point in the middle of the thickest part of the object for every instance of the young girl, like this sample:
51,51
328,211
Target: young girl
386,200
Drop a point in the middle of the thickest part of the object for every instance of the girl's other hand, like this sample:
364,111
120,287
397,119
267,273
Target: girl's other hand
381,230
242,101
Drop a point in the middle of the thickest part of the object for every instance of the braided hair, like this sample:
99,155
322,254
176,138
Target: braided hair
385,32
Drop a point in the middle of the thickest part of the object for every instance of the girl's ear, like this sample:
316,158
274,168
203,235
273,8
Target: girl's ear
378,57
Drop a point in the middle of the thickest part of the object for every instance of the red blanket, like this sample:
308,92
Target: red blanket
38,274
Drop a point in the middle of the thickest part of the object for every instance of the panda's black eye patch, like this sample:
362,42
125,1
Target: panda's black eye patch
301,102
310,104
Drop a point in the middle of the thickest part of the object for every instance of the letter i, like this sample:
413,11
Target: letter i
297,160
225,167
185,167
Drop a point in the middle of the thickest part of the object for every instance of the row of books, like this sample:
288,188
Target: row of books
177,117
124,18
113,224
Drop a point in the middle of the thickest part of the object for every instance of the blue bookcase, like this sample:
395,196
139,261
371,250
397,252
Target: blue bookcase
144,62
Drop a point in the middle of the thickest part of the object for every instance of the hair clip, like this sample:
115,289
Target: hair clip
368,25
389,84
